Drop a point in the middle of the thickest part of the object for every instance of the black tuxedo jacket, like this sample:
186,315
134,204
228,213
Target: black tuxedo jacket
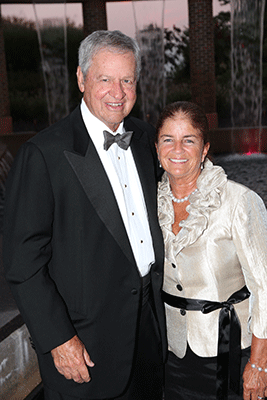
67,255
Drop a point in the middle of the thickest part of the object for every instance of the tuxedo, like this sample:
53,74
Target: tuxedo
67,255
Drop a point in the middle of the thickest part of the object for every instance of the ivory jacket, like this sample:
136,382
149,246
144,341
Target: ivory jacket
221,247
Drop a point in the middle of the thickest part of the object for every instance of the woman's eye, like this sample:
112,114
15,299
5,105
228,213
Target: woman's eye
167,140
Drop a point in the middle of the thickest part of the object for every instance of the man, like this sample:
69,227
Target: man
83,251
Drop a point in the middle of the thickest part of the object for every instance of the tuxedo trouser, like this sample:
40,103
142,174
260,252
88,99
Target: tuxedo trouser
146,380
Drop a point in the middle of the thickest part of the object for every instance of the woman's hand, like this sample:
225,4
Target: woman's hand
255,381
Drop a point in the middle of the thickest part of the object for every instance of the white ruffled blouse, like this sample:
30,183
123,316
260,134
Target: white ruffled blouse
221,247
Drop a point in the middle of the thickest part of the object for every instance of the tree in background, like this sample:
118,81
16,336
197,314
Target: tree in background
26,86
222,44
178,64
25,78
264,71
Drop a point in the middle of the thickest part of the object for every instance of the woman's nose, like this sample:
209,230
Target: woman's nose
178,146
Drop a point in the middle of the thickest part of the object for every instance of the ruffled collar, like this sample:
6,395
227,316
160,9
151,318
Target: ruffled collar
210,185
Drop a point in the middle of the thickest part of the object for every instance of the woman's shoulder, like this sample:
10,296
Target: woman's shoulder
238,201
214,177
237,188
240,191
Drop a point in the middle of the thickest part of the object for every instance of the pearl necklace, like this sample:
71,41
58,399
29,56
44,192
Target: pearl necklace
183,199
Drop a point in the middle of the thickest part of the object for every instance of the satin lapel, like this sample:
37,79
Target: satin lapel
90,173
145,164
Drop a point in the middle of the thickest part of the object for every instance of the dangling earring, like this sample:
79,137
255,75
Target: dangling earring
202,165
160,165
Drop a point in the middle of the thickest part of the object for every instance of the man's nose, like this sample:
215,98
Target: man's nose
117,90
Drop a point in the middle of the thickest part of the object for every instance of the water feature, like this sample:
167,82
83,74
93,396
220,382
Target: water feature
53,49
247,19
149,26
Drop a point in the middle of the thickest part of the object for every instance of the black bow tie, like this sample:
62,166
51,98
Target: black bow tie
122,140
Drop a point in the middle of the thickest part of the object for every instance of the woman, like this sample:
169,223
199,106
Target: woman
215,234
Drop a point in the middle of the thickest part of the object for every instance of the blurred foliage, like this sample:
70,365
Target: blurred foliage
264,71
177,53
21,45
177,49
222,46
25,77
177,56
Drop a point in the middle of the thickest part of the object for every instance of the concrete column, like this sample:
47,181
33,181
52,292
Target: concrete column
94,16
5,118
202,60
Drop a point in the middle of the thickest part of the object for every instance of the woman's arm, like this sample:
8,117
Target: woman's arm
255,380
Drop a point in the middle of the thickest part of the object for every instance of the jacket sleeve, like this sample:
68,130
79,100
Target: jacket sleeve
250,238
27,250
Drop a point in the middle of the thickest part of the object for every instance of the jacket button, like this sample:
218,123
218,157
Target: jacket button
134,291
173,265
182,312
179,287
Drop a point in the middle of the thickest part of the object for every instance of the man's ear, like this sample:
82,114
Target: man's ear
80,79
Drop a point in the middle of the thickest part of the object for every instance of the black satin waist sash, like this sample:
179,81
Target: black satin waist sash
229,339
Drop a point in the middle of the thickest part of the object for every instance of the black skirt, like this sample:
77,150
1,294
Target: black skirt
194,377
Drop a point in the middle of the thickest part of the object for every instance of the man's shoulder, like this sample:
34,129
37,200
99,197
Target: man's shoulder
144,126
59,131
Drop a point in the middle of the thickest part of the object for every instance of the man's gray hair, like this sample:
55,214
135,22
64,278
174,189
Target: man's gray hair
111,40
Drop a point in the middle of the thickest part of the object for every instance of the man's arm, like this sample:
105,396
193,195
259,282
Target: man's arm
27,250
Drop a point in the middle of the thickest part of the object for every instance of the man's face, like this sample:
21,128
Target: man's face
109,89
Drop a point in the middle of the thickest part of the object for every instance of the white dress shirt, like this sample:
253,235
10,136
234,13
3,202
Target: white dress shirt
122,173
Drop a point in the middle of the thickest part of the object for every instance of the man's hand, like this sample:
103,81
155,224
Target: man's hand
71,360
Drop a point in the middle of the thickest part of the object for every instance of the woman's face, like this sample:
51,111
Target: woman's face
181,149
